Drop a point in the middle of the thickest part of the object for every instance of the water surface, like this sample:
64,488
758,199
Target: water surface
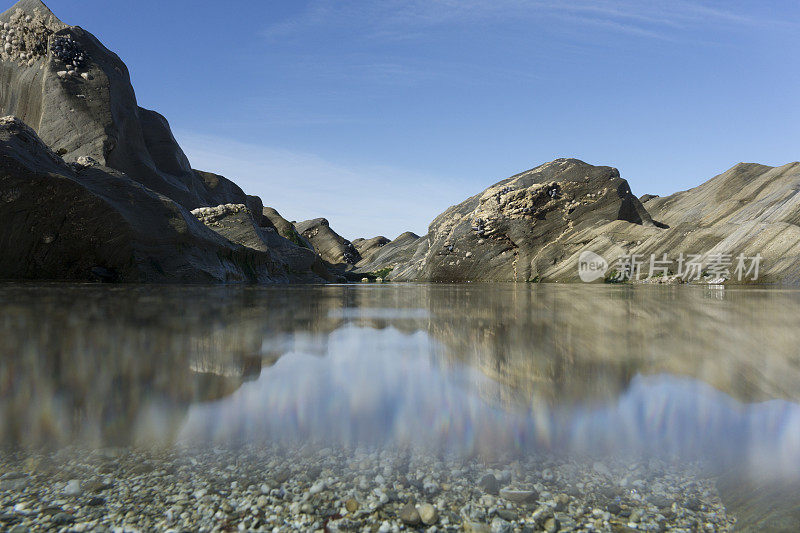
698,374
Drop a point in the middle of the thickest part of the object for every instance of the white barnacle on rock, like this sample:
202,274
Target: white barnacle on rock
86,161
209,215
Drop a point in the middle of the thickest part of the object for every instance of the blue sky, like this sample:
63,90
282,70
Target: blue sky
379,115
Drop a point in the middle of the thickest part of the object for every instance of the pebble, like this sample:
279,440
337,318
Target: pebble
501,526
520,496
562,501
317,487
551,525
351,505
409,515
507,514
476,527
660,501
428,514
431,488
62,519
73,488
489,484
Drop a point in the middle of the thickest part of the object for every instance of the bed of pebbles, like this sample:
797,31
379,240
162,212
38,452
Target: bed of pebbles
314,489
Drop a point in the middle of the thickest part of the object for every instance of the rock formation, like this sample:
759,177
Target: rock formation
332,247
86,222
391,255
534,226
284,228
517,229
77,95
369,247
235,223
95,187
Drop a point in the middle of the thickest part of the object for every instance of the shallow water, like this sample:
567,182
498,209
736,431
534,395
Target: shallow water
686,375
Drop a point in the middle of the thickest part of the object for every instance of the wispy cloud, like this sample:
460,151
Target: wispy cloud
408,19
358,200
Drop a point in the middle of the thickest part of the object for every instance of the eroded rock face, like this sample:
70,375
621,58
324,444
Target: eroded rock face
83,223
77,95
750,210
284,228
235,223
516,230
98,188
369,247
392,254
332,247
534,226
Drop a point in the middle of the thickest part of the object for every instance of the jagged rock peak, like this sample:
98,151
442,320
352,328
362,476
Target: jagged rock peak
77,95
31,8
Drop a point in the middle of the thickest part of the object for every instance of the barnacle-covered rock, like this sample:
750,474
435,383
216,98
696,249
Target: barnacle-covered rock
514,230
78,95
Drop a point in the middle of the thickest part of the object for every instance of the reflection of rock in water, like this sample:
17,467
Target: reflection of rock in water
566,345
77,364
113,365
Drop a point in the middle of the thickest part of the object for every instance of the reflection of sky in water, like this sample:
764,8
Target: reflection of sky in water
367,386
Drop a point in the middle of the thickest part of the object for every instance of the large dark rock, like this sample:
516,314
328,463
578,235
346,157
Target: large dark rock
77,95
516,229
369,247
235,223
332,247
284,228
87,222
749,209
392,254
97,188
534,226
